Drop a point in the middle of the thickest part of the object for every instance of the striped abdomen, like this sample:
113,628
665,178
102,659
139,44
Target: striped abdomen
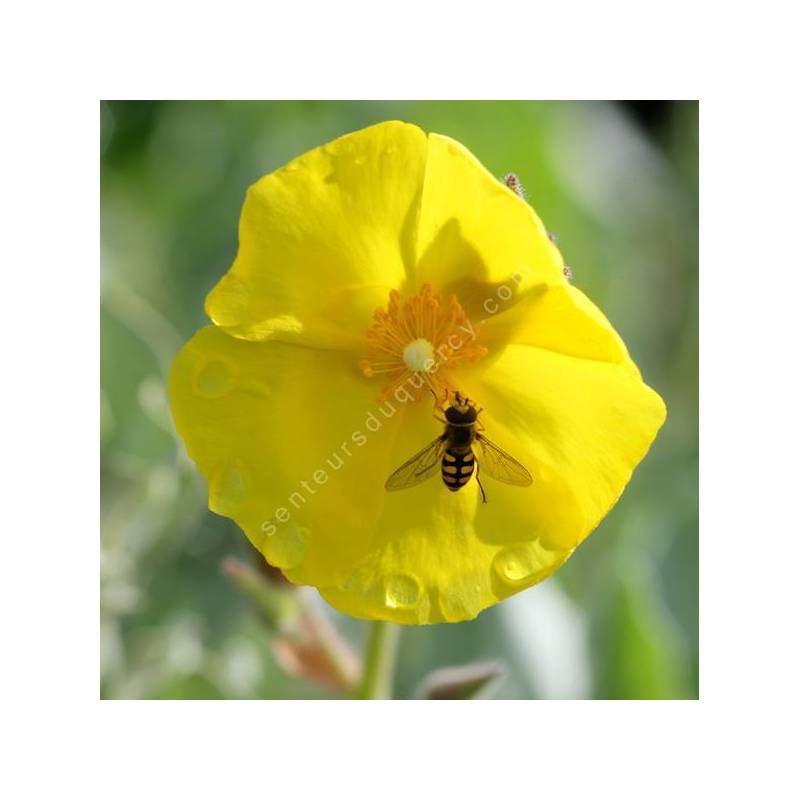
457,468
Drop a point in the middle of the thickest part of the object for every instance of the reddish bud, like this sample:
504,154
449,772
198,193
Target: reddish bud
512,181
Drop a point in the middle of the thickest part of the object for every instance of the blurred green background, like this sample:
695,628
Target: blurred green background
617,182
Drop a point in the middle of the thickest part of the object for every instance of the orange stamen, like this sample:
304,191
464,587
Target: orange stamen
418,342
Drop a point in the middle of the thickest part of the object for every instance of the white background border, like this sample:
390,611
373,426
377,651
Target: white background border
58,61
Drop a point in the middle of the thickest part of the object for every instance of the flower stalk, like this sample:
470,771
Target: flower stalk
379,662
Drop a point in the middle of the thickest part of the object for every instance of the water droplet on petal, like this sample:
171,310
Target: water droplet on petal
286,546
402,591
359,160
213,378
515,564
228,488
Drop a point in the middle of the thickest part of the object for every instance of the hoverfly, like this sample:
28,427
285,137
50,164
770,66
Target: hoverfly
453,453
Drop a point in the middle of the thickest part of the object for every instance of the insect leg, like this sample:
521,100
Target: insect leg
478,478
436,403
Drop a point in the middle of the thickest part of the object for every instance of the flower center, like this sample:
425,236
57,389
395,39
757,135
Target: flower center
418,342
418,355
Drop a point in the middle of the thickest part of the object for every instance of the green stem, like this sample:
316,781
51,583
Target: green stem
379,662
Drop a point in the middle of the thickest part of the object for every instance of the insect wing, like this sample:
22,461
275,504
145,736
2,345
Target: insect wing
498,464
419,467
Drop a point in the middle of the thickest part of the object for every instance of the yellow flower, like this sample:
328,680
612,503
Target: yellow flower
370,271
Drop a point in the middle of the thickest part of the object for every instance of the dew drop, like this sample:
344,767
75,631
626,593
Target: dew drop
402,591
359,160
213,378
286,546
228,488
514,564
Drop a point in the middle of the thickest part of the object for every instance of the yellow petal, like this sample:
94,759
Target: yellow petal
558,318
282,435
475,234
580,426
324,238
296,451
